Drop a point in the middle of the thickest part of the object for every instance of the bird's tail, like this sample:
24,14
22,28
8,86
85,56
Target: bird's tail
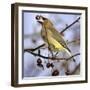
69,53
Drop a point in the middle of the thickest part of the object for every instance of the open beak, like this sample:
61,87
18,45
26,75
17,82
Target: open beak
40,22
40,19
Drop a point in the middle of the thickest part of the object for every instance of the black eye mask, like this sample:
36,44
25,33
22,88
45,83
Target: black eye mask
44,18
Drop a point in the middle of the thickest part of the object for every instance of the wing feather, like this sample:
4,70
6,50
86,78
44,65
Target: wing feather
56,35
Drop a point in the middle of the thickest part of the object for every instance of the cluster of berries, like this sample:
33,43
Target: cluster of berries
48,65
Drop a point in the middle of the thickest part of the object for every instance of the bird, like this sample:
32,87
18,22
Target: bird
51,36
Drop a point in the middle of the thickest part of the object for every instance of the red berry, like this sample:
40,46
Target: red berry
40,65
39,61
52,65
48,65
55,73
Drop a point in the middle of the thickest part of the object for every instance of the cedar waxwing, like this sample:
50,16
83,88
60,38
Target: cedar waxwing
51,36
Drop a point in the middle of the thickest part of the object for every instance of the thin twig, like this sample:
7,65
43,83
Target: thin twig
73,72
73,56
52,58
74,41
33,49
70,25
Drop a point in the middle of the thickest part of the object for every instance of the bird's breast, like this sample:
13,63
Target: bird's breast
47,37
43,34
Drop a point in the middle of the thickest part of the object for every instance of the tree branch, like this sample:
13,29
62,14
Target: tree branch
52,58
70,25
74,71
33,49
74,41
73,56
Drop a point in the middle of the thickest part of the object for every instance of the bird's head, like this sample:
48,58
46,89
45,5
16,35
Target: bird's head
43,20
40,19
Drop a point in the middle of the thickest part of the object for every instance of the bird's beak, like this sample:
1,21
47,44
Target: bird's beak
40,19
40,22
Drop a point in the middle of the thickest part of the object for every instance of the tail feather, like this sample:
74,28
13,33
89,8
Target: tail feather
68,49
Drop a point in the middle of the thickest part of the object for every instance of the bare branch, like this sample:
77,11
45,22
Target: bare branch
74,41
73,56
70,25
52,58
74,71
33,49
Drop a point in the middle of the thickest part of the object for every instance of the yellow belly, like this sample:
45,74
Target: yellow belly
56,44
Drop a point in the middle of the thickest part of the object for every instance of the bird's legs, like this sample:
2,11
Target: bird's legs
51,51
56,54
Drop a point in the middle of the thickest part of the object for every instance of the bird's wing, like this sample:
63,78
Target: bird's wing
56,35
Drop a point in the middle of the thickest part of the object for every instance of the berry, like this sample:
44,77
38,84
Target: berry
55,73
40,65
52,65
39,61
48,65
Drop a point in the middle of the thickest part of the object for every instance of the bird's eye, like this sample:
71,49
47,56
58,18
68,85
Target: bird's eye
44,18
38,17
